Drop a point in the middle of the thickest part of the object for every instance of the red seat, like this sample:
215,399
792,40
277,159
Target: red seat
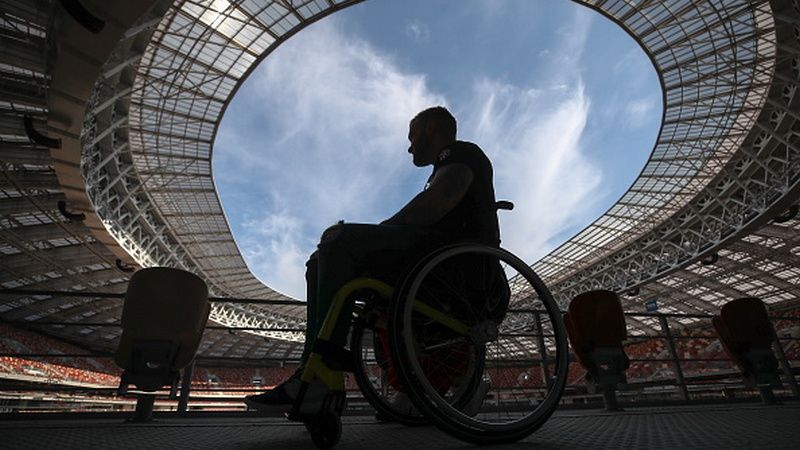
595,320
163,320
596,328
746,334
746,321
744,327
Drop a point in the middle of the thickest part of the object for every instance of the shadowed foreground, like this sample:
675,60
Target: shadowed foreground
728,426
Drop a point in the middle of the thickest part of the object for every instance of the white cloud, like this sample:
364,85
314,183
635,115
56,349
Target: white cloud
632,61
533,138
418,31
638,112
335,111
335,117
274,244
571,42
490,9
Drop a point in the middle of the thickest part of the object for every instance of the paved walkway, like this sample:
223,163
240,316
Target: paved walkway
706,427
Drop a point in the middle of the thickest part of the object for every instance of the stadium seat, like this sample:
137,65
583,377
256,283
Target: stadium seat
746,334
596,328
163,319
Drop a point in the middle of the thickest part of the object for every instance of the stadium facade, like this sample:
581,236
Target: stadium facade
110,110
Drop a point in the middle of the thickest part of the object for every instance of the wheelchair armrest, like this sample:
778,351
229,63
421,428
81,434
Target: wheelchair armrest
504,204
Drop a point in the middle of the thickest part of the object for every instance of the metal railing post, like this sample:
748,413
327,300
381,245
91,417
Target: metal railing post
186,387
676,366
542,349
144,408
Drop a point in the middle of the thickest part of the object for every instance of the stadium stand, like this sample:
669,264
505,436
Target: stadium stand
240,377
646,365
64,370
788,331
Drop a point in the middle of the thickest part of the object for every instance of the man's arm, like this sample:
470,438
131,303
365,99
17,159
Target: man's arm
429,206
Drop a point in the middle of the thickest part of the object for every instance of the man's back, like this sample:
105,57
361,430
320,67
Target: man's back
474,218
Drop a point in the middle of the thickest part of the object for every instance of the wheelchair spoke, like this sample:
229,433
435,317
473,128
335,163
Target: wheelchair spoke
375,376
454,291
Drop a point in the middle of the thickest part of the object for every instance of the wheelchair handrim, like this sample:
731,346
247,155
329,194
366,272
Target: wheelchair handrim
440,407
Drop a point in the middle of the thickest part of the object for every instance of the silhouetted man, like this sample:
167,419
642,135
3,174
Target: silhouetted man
457,204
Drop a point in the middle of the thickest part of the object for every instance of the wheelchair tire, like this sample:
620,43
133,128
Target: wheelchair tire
510,410
325,429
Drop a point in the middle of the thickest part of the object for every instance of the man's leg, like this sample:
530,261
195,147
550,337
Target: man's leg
359,249
342,255
313,322
281,397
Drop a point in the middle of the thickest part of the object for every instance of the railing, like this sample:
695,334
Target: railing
672,366
689,364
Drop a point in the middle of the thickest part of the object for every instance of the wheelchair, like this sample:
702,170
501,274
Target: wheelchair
472,337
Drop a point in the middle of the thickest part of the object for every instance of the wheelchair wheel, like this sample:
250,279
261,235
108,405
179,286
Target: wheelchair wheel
373,374
325,429
476,299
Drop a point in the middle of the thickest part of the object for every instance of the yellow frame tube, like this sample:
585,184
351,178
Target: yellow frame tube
334,379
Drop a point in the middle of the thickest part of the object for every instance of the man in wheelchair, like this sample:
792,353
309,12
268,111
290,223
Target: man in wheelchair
457,205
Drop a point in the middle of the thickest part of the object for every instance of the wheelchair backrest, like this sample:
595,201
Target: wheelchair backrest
479,279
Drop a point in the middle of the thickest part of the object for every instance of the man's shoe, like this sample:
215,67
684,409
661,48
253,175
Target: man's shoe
400,404
403,405
380,417
281,398
476,401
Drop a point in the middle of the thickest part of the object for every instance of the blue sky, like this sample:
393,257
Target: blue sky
565,104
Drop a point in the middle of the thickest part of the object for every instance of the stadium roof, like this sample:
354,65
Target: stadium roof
135,92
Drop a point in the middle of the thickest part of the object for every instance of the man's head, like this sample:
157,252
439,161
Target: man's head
429,132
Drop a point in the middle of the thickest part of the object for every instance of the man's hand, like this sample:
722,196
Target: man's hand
429,206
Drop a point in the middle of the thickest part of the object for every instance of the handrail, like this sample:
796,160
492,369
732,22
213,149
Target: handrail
691,385
256,301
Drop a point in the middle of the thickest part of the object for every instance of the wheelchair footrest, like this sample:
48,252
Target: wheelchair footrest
334,356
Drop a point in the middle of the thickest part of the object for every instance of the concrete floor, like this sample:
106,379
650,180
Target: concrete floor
706,427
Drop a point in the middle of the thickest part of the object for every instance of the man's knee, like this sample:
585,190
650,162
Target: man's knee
312,264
